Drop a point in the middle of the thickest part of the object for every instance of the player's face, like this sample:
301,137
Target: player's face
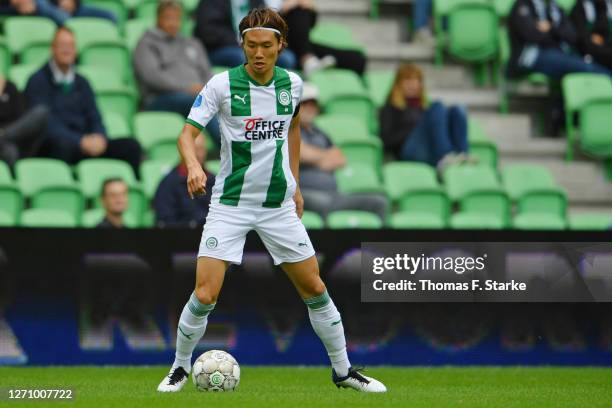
169,21
64,49
261,48
115,199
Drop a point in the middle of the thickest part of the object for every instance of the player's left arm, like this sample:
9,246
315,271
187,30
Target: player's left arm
294,161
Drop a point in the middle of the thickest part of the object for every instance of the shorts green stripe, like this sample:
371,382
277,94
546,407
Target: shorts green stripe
278,182
241,160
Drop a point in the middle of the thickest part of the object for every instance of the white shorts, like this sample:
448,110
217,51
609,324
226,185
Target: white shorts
280,229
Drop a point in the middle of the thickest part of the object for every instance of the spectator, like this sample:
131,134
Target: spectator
301,17
217,29
40,8
411,130
421,12
76,8
173,207
114,196
593,19
74,128
20,131
171,69
319,158
541,38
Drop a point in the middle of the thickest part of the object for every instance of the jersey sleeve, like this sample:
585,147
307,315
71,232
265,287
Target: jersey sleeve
205,106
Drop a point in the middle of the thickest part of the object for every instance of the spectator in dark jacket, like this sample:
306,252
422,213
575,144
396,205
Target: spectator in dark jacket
217,27
593,19
76,8
411,130
74,127
542,38
173,207
57,10
20,130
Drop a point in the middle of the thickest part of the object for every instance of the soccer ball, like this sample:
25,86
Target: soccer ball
216,370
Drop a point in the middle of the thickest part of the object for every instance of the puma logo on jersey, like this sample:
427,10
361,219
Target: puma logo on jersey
243,98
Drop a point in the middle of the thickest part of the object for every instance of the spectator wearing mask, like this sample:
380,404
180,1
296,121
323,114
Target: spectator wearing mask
593,19
20,130
114,196
171,69
173,207
413,130
74,128
217,28
542,38
319,159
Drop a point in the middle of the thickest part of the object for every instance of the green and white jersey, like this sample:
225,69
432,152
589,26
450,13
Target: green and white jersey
254,121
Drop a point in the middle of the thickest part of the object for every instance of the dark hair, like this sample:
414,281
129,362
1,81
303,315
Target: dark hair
164,4
109,181
265,17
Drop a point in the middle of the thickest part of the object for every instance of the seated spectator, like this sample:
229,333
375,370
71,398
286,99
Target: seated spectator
20,131
76,8
421,12
541,37
173,207
74,128
39,8
301,17
114,196
319,158
593,19
412,130
217,28
171,69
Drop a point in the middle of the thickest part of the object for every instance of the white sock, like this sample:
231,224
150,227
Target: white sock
191,328
327,323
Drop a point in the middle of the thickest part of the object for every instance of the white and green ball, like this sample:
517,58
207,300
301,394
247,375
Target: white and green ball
216,370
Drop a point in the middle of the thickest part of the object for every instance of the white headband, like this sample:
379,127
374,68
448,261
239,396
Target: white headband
274,30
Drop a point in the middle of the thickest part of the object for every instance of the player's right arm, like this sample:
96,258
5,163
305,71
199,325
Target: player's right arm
196,178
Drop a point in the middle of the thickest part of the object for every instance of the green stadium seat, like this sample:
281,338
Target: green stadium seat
472,32
469,221
36,54
481,146
551,202
379,86
461,180
343,92
116,125
92,173
416,220
566,5
20,74
519,179
24,32
312,220
100,78
134,30
91,218
5,173
47,218
114,56
190,5
92,30
5,58
402,178
353,219
152,172
503,7
11,203
148,219
213,166
55,190
158,132
6,220
595,127
121,101
578,89
483,208
359,178
335,35
590,222
147,10
539,221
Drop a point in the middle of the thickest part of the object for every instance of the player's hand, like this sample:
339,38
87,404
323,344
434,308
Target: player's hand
597,39
299,202
196,181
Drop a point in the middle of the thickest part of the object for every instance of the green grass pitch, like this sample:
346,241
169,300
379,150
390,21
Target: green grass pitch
311,387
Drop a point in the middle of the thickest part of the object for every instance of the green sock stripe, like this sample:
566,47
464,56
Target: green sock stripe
318,302
197,308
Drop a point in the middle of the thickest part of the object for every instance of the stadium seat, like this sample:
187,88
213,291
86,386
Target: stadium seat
519,179
590,222
147,10
5,173
470,221
20,74
481,146
92,30
6,220
158,132
503,7
353,219
116,125
114,56
379,86
535,221
416,220
121,101
461,180
595,127
5,58
134,30
312,220
100,78
11,203
359,178
335,35
56,190
566,5
483,209
92,173
25,32
47,218
552,202
342,91
213,166
152,172
578,89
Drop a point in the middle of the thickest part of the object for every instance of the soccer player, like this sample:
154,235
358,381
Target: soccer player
256,189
